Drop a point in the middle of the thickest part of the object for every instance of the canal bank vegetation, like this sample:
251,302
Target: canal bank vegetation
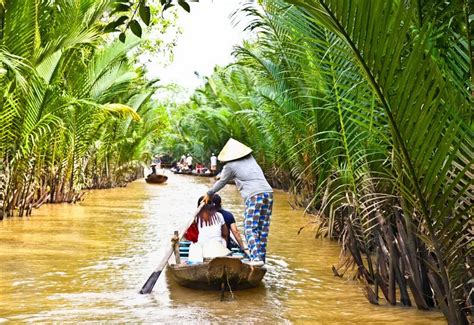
75,110
362,110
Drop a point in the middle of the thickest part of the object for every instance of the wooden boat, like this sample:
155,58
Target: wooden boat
156,178
203,174
181,172
215,273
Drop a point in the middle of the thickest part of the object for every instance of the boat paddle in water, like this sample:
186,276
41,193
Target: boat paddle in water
150,283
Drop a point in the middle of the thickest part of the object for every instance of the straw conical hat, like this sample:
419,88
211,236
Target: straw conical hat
233,150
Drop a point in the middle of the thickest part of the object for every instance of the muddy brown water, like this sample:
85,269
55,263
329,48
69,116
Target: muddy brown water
87,262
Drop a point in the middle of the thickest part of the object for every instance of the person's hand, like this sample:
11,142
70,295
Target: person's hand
207,199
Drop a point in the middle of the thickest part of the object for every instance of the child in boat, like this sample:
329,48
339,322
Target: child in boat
213,231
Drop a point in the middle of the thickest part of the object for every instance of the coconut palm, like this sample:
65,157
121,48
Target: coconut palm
365,109
431,140
65,119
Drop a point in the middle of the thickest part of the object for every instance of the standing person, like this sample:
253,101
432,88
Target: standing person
157,161
182,162
254,188
213,163
155,164
230,223
189,162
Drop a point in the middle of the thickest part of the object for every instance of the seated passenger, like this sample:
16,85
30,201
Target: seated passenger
213,231
234,240
199,168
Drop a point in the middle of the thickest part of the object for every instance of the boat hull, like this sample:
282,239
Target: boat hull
220,270
156,179
203,175
182,172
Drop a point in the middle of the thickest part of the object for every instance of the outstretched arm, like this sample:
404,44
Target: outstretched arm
226,176
236,233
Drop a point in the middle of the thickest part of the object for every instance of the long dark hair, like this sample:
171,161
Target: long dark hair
207,215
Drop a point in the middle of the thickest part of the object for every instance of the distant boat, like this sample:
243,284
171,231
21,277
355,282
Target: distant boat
203,174
213,273
181,172
156,178
188,172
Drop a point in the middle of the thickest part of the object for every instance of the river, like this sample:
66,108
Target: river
87,262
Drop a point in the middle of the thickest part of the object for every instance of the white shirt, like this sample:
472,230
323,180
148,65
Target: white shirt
211,232
213,161
189,160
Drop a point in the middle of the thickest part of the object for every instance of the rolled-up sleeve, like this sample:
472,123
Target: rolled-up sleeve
226,176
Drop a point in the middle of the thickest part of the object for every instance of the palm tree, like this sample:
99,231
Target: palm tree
64,113
364,109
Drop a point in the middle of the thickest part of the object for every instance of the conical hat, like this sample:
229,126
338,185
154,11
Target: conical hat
233,150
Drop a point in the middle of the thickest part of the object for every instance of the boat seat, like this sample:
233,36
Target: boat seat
184,248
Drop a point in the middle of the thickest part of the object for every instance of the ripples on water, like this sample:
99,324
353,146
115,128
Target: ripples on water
87,262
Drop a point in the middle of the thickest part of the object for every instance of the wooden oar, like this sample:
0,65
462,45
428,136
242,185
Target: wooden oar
150,283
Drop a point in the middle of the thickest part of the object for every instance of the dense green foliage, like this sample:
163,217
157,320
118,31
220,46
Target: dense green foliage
75,112
364,110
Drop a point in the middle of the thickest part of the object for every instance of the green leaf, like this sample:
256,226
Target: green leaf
144,12
121,20
111,27
121,7
12,86
122,37
136,28
184,5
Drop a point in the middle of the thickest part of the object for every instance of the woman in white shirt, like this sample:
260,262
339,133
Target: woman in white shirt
213,231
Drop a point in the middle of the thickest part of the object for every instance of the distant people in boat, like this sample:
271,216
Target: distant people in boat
200,168
213,164
157,161
189,161
182,161
155,164
212,229
241,166
180,165
234,239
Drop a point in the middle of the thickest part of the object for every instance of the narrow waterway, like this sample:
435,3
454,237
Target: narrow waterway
87,262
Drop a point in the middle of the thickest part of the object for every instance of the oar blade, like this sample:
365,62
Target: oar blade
150,283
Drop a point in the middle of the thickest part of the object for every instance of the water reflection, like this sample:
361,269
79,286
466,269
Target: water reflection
86,262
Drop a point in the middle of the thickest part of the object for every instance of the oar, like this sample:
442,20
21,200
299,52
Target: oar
150,283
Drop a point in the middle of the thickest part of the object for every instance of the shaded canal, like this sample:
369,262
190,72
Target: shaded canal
87,262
